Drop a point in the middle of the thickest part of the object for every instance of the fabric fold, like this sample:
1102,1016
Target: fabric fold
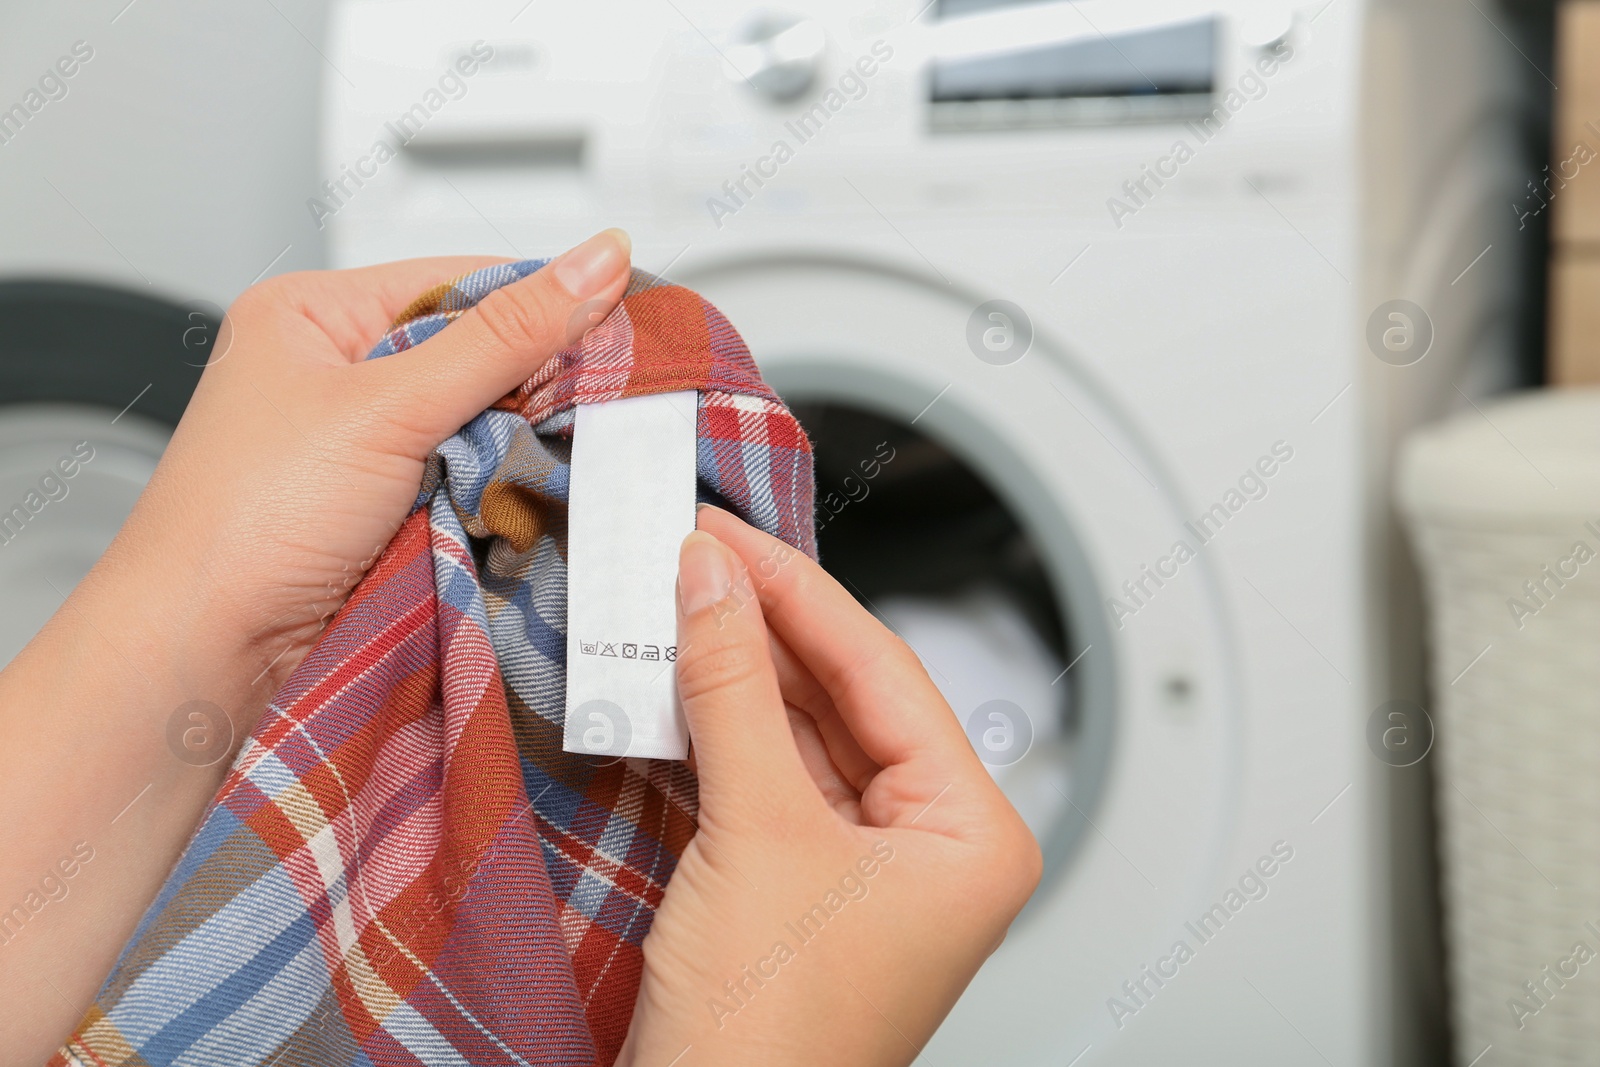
402,865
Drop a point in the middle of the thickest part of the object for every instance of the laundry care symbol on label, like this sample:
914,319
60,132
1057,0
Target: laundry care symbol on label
630,650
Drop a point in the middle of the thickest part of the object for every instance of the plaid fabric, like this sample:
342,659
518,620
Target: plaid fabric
402,866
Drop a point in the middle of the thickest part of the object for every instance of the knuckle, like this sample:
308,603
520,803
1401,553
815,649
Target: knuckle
270,292
517,318
902,657
1028,862
1016,863
256,301
715,663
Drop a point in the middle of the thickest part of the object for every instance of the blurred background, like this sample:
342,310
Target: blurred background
1197,387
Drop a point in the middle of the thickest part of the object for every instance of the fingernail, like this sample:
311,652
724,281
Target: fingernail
703,575
585,270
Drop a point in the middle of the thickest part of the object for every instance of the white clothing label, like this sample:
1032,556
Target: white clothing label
630,505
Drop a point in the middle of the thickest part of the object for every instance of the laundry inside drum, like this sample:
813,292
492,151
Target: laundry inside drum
922,540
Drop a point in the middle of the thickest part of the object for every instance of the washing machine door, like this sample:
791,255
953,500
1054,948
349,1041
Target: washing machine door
1014,470
92,380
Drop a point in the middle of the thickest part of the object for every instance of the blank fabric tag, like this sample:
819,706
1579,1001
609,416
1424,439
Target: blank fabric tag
630,505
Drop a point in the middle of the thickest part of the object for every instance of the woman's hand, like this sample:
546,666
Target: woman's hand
292,467
297,460
854,865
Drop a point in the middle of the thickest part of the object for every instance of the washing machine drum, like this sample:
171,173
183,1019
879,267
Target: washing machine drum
924,541
92,381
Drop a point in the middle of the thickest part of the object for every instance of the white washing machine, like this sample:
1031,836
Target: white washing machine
92,380
1099,277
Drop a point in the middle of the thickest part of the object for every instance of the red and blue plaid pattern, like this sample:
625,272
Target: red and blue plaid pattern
403,866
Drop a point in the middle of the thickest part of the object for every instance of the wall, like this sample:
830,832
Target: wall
179,160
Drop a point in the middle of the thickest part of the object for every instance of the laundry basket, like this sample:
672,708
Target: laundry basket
1503,507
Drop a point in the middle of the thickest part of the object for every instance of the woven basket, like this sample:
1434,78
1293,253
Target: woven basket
1497,501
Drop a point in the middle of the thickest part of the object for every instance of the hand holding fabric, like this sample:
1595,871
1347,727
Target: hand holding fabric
854,863
320,450
294,464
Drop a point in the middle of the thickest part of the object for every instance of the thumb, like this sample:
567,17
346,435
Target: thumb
509,334
726,680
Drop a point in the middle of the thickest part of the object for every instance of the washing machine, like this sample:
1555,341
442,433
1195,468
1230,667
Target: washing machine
93,378
1090,311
